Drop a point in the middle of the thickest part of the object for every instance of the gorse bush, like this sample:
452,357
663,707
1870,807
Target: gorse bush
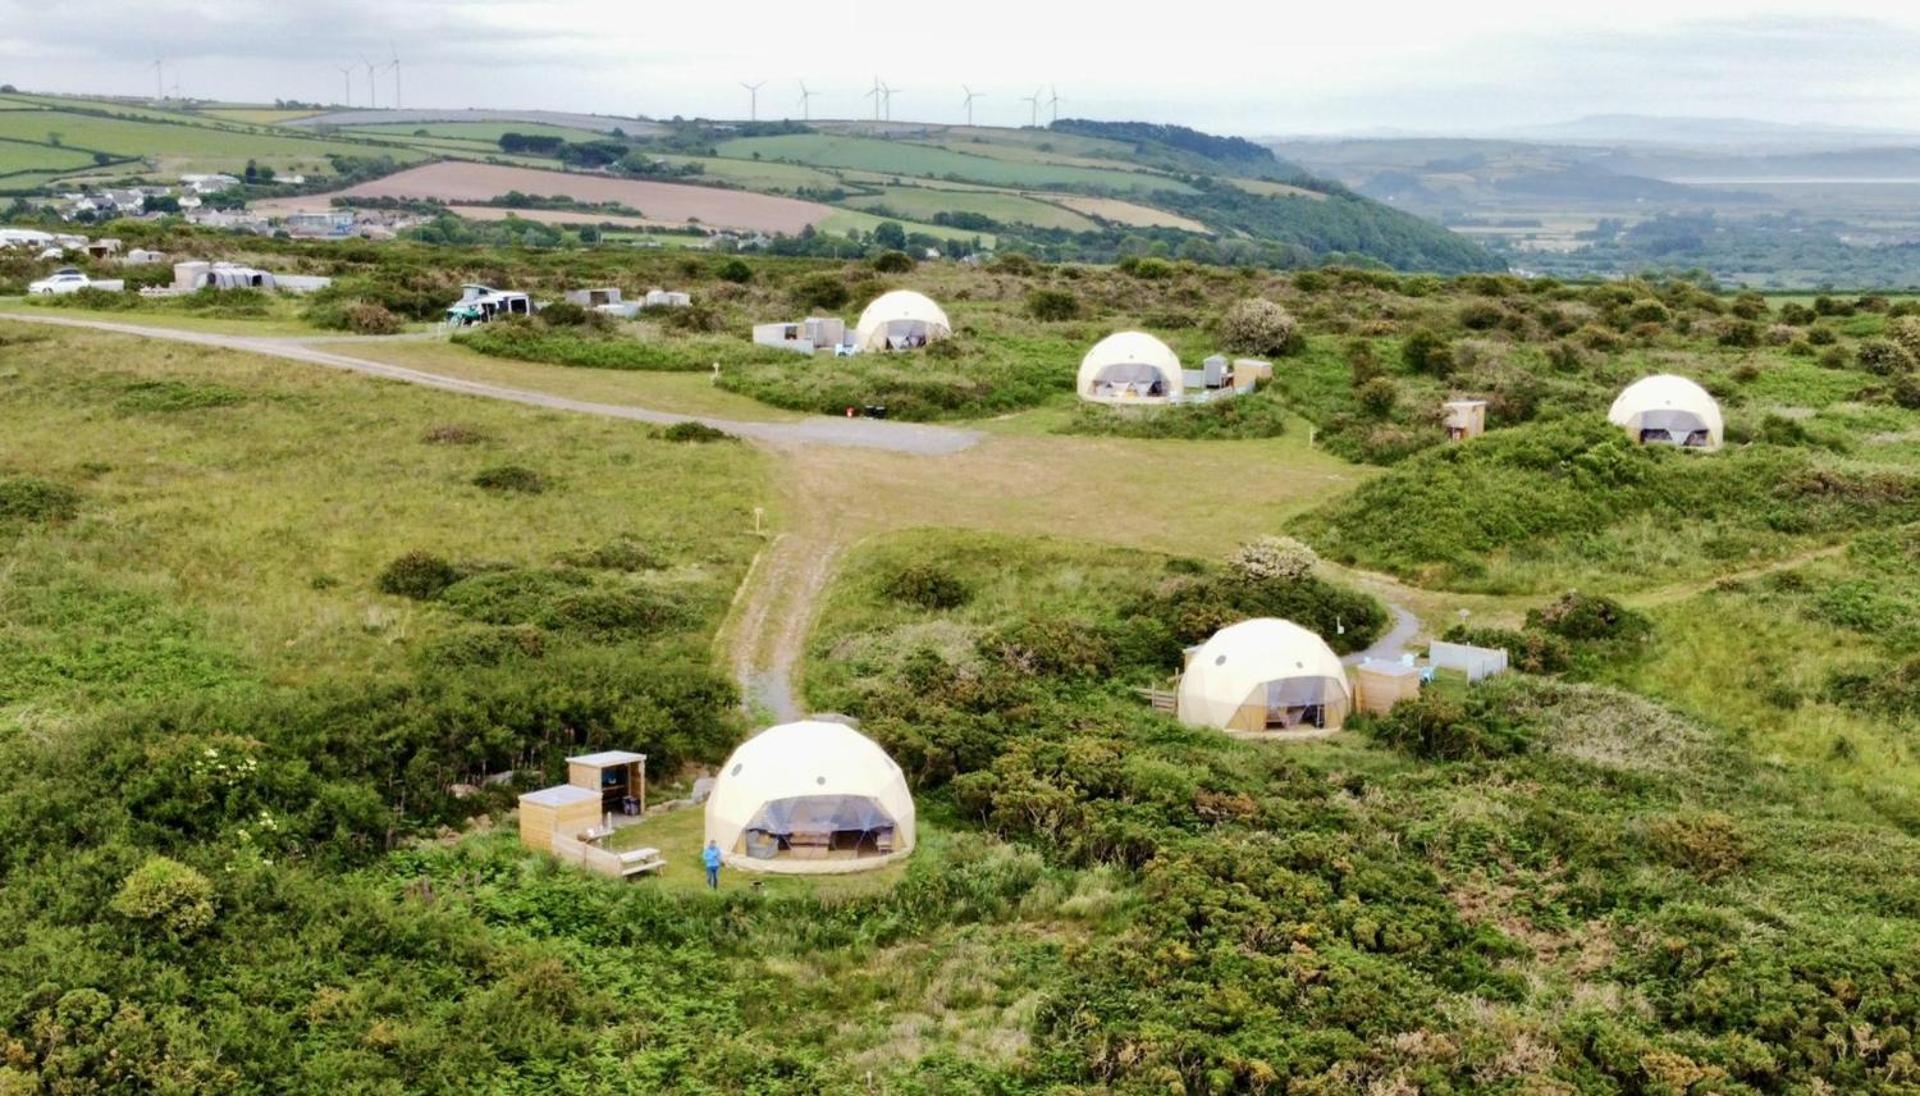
1563,485
1439,728
893,262
1707,843
173,899
928,587
162,396
511,479
1049,305
698,432
418,575
824,292
27,500
1259,415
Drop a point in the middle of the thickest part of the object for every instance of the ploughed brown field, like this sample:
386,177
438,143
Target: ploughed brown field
673,203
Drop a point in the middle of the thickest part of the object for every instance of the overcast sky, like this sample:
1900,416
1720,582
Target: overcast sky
1239,67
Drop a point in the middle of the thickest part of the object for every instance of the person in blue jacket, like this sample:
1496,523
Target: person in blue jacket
711,858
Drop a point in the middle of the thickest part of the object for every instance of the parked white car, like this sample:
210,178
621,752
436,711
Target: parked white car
64,280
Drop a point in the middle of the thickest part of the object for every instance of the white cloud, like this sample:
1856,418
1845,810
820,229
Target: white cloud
1224,64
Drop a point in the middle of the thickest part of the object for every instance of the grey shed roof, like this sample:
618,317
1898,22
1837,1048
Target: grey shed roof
606,758
560,795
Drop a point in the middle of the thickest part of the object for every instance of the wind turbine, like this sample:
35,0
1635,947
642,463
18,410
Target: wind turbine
393,66
886,93
1054,104
1033,101
806,101
753,99
875,96
346,72
159,87
971,96
373,89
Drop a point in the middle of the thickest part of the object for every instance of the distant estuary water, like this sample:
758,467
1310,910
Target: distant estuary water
1792,180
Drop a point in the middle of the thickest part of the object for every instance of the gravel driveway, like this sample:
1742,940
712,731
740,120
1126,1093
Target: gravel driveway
898,437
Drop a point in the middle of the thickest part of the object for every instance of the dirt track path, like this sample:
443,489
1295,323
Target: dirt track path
843,480
898,437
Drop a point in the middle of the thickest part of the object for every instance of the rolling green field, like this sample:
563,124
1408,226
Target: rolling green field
482,132
20,157
920,204
181,146
1672,851
909,158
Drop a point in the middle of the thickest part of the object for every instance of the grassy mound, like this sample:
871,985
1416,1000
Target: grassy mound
1558,502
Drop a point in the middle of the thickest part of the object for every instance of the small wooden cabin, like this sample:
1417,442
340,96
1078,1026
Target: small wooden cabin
1465,419
619,776
563,810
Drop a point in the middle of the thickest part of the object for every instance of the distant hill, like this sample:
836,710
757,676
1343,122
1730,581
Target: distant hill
1235,155
1078,190
1439,176
1701,132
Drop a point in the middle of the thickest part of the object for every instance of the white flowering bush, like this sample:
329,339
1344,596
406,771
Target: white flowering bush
1273,558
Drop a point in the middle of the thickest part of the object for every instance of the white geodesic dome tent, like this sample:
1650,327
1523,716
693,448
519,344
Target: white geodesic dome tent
1130,365
1264,675
1668,410
810,797
901,320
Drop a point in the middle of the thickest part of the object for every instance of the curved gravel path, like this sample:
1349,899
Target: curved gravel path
780,610
898,437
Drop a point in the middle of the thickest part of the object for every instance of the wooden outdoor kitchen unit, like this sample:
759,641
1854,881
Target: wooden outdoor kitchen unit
620,778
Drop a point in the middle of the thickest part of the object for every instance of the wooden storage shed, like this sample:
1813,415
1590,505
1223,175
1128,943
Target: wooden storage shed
563,809
619,776
1465,419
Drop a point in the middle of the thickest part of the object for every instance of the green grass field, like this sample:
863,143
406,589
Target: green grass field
758,174
244,514
1684,861
907,158
921,204
842,221
483,132
183,146
20,157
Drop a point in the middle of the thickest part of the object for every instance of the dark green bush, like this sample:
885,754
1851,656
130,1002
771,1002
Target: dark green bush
1530,650
1424,351
893,262
820,292
454,434
566,314
928,587
1259,415
1438,728
735,271
1706,843
418,574
514,478
27,500
691,431
1052,304
1578,616
163,396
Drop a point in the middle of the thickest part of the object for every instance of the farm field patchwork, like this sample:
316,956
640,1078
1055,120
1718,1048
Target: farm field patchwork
182,146
469,182
910,158
920,204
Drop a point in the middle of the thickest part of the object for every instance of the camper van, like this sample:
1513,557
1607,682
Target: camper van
481,304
